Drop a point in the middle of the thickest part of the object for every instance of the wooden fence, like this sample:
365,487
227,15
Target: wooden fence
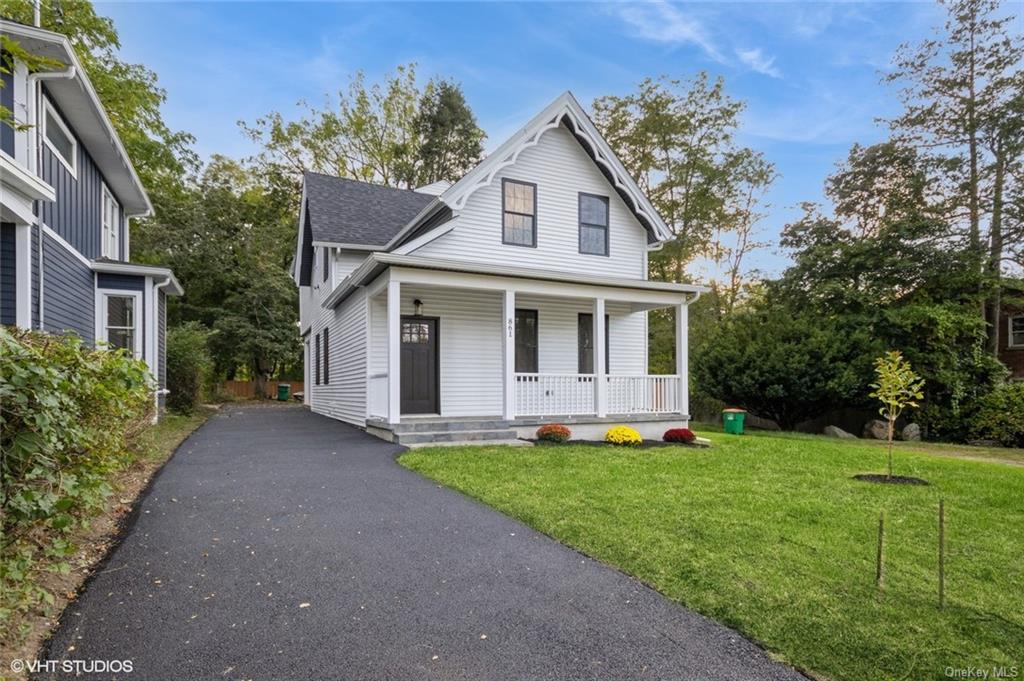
246,390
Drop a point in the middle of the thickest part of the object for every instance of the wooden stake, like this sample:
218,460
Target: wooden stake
880,556
942,554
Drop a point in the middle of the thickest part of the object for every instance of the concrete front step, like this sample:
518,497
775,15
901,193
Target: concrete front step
431,426
421,437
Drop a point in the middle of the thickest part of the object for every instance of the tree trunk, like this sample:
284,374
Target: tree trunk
995,253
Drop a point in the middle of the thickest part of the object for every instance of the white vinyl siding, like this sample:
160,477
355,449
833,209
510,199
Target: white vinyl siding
344,398
561,170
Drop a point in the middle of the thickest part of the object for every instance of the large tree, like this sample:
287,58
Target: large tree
392,133
961,93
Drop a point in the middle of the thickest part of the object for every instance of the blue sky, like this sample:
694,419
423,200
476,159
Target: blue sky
809,72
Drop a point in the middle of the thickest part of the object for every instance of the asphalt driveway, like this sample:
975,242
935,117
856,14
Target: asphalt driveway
278,544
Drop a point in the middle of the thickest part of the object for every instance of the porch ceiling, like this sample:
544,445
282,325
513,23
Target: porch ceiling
441,271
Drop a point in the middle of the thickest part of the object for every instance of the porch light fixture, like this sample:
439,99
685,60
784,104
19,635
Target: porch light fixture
418,307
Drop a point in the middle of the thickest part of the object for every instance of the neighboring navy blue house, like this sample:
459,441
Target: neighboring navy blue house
69,192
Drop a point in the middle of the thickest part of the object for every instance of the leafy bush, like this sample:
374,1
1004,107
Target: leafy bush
67,416
188,366
1000,416
623,435
683,435
784,364
553,432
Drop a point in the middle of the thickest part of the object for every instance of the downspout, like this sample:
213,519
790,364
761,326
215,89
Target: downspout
157,391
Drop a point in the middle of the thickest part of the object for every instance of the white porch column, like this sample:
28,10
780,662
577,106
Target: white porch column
683,357
23,275
394,352
600,378
509,353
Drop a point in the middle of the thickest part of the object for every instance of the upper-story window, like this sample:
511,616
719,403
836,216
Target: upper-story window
59,138
110,220
1017,332
519,213
326,266
593,224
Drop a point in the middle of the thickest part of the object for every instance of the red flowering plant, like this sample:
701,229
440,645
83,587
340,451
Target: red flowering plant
683,435
553,432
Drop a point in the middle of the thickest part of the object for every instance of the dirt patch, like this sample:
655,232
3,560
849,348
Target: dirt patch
890,479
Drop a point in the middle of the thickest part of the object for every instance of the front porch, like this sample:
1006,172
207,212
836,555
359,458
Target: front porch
513,353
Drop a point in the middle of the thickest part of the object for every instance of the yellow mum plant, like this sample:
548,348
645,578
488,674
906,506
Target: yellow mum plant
623,435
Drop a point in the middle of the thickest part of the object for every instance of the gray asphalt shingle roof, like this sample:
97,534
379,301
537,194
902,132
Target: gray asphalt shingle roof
345,211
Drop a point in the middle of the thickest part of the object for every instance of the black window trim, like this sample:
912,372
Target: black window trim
531,312
605,227
317,362
504,181
326,263
327,356
607,343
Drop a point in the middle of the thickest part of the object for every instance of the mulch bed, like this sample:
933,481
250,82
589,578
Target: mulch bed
893,480
647,444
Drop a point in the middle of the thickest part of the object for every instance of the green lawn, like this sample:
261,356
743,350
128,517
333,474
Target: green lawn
770,535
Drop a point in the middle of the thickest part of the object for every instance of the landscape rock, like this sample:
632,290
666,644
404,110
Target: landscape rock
836,431
911,432
876,429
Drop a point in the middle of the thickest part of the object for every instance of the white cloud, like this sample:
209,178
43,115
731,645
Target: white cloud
756,60
661,22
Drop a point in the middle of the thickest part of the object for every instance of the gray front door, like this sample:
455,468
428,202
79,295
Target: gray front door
420,384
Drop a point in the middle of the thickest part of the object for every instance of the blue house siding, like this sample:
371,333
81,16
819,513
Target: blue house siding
68,297
36,231
161,339
128,282
77,214
8,279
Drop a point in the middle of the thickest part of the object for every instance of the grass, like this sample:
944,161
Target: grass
771,536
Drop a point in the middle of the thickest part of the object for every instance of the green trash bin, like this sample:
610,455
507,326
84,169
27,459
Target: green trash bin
282,391
732,419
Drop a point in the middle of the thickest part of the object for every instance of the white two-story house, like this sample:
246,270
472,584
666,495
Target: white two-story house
478,310
68,191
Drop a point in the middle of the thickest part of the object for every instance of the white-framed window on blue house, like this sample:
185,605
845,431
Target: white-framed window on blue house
111,218
119,319
58,136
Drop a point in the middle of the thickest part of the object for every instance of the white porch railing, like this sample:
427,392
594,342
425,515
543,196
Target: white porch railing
378,395
554,394
645,394
573,394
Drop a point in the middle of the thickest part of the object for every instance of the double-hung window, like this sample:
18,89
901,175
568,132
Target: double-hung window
58,137
326,265
593,224
526,341
1016,332
327,357
120,313
519,213
111,218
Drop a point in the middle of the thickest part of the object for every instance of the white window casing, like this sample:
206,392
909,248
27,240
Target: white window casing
1015,332
59,138
109,246
119,319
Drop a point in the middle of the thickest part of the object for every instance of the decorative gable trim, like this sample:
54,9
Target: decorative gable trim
563,111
